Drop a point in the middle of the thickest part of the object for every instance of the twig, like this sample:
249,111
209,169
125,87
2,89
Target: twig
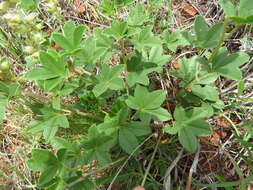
193,169
123,165
166,182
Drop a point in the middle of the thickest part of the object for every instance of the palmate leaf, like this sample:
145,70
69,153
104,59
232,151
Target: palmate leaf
41,159
149,102
227,65
174,40
53,66
71,37
118,30
98,146
138,16
125,132
145,38
109,79
207,37
48,124
189,125
45,162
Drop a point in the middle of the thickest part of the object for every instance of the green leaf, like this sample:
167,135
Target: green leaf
159,114
127,140
228,7
208,78
201,28
62,41
118,30
174,40
143,99
48,124
206,92
148,102
61,143
190,124
4,88
137,16
3,105
145,38
109,79
51,64
98,144
207,37
136,64
246,8
71,37
188,140
28,5
78,35
13,90
227,65
40,74
125,132
138,77
50,84
47,175
41,159
156,56
138,128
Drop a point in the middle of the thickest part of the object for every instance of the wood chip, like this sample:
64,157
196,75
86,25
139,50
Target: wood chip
223,122
81,9
175,64
188,9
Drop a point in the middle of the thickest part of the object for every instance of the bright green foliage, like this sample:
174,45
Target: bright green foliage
149,103
52,72
104,96
189,125
109,79
72,36
29,5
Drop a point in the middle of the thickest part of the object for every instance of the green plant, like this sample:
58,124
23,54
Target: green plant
118,102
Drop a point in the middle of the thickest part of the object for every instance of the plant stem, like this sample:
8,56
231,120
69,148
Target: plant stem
151,161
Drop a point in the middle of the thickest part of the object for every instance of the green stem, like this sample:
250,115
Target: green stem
124,58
